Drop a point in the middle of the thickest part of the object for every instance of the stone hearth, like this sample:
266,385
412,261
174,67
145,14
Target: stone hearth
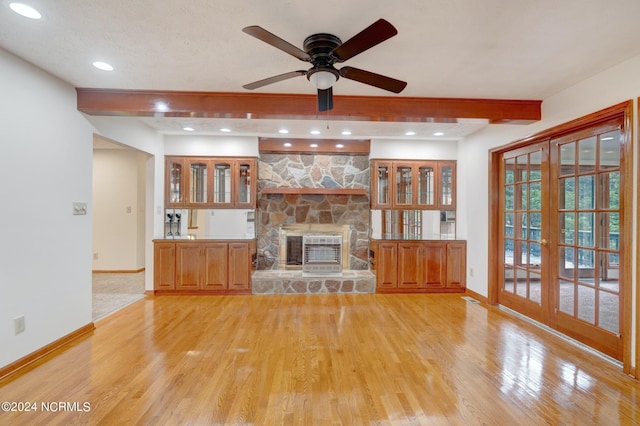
284,282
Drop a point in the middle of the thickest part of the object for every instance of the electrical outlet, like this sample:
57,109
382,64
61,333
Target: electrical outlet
95,256
128,209
19,325
79,208
471,272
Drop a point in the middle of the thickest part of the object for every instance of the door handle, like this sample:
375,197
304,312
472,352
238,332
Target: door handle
543,242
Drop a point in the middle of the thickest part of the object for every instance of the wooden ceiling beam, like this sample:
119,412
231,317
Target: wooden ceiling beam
144,103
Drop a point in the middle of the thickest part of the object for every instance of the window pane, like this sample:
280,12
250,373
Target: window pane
610,150
534,254
523,191
509,170
521,283
508,225
535,225
521,168
508,251
609,232
523,253
586,259
612,185
524,225
535,160
509,284
608,314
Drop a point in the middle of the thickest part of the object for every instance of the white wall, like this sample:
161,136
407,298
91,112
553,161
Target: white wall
403,149
218,146
118,210
45,166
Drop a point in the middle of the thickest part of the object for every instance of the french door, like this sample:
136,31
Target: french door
561,226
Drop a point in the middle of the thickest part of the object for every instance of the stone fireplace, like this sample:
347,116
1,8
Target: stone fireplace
304,194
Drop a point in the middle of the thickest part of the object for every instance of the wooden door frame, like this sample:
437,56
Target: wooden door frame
622,110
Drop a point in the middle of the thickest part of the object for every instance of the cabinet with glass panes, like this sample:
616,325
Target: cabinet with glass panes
419,185
210,182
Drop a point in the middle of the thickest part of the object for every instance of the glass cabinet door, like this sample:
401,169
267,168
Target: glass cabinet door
427,185
244,185
447,185
380,182
198,182
404,184
174,190
221,182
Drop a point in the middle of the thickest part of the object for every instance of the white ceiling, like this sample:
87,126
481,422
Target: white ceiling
497,49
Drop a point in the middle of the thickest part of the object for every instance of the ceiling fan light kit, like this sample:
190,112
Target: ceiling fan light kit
323,51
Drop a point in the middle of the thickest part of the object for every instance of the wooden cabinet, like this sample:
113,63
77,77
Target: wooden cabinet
415,185
210,182
205,266
419,266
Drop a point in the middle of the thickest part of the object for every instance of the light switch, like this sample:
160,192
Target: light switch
79,208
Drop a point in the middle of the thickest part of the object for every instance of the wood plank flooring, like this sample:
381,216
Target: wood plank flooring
332,359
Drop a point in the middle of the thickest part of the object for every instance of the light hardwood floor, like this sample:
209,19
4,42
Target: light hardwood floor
322,359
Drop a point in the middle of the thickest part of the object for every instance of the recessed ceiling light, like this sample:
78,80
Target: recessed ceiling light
188,129
339,145
287,144
346,133
410,133
315,132
314,145
103,66
283,131
161,106
225,130
438,134
24,10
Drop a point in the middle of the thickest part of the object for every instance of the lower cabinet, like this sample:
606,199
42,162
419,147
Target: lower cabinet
203,266
419,266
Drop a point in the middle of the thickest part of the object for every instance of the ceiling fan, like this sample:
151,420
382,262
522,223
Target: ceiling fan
323,51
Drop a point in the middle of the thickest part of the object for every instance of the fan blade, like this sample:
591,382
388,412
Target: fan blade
274,79
373,79
272,39
374,34
325,99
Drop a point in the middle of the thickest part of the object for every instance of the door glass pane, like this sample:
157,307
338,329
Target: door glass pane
608,314
508,251
244,183
586,261
567,194
509,170
566,262
521,168
586,229
523,196
509,197
523,225
403,185
447,185
586,304
521,283
567,228
610,150
587,155
612,188
567,159
535,226
567,297
508,225
426,177
586,192
609,234
198,183
383,185
535,287
222,183
509,282
535,259
535,196
175,185
524,253
535,161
